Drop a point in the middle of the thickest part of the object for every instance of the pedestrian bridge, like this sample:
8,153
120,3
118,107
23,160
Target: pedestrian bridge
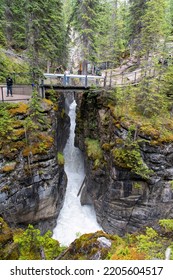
71,81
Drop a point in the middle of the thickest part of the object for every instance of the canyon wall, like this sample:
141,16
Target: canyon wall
129,173
32,178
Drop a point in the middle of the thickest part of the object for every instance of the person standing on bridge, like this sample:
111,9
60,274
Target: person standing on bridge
9,82
67,79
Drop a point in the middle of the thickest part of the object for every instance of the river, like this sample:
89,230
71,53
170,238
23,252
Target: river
74,219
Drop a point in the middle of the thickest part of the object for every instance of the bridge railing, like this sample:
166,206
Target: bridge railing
108,79
20,93
74,80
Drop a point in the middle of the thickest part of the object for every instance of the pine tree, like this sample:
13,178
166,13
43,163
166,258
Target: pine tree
137,9
120,28
2,24
105,36
15,27
45,30
153,26
86,15
148,26
36,26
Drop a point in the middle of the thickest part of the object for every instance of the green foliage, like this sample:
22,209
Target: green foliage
153,25
11,65
60,158
5,122
86,22
137,186
147,94
94,151
167,224
35,106
146,107
31,243
36,27
129,156
148,25
171,185
150,245
52,95
167,81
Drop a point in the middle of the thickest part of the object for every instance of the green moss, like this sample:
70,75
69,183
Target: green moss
137,186
106,147
60,158
87,246
94,150
129,157
8,167
5,189
167,224
20,109
43,144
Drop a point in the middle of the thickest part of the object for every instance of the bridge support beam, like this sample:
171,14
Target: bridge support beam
42,89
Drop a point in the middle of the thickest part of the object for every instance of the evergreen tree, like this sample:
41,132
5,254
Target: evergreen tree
120,27
86,23
105,36
154,26
36,26
147,25
137,9
15,24
2,24
45,31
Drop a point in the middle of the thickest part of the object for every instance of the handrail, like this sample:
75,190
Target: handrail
66,79
20,93
49,75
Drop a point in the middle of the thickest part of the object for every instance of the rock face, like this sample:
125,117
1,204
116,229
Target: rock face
32,182
129,184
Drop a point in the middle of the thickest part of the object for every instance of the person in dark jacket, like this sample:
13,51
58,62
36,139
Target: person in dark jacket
9,82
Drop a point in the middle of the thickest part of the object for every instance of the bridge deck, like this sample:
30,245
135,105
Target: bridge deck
66,88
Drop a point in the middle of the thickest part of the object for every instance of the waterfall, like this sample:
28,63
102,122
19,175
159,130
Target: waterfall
74,219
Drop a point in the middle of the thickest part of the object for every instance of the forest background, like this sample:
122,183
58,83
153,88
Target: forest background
42,32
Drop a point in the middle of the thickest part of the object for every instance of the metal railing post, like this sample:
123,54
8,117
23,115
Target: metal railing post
42,88
64,80
2,93
86,81
110,82
105,79
122,80
135,77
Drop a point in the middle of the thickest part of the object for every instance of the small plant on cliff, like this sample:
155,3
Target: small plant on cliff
34,246
5,122
60,158
52,96
167,225
149,244
35,108
128,156
94,151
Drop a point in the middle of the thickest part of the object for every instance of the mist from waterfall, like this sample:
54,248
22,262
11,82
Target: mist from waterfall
74,219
